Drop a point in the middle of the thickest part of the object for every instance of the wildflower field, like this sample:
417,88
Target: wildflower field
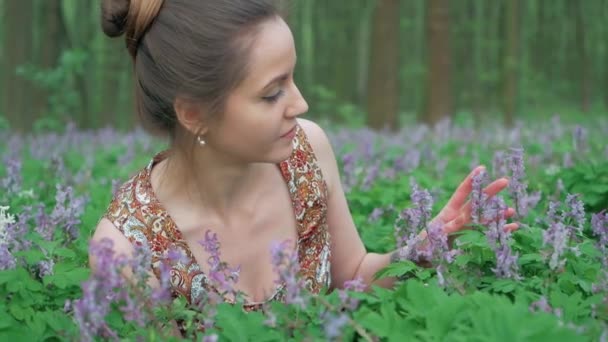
547,281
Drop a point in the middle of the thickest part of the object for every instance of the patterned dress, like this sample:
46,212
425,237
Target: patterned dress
139,215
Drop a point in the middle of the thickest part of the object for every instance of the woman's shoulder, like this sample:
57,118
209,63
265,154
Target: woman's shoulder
321,146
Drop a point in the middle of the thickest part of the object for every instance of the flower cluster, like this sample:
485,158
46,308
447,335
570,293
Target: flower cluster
478,196
221,277
517,187
108,286
563,226
7,260
286,266
499,239
599,226
99,292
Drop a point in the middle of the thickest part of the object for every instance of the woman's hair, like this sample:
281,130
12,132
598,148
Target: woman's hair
195,49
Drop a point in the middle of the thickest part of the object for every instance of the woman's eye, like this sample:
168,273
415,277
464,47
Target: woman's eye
274,98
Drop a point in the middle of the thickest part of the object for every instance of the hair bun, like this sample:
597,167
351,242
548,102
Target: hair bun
114,16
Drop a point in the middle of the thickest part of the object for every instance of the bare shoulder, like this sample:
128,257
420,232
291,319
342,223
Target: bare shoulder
107,230
322,148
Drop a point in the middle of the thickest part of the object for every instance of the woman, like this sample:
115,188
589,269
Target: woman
216,77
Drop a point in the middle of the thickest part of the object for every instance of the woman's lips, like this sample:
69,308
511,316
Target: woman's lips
290,133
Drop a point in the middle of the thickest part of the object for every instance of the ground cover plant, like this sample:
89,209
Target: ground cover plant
546,281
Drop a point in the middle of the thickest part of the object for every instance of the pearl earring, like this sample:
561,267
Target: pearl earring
200,140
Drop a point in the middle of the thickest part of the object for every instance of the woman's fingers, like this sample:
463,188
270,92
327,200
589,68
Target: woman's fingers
464,189
511,227
491,190
464,219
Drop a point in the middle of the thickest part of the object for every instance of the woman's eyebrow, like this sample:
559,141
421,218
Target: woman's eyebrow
282,77
279,78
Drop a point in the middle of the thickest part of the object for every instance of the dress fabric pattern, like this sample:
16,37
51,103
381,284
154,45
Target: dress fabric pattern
139,215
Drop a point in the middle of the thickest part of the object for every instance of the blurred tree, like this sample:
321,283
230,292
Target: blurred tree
81,29
584,78
17,45
438,98
383,80
510,62
53,41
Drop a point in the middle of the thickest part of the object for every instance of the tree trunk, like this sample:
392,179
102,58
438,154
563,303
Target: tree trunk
478,60
438,97
383,80
52,35
17,50
363,43
510,62
583,60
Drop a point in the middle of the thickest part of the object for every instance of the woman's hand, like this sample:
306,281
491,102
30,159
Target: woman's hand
456,215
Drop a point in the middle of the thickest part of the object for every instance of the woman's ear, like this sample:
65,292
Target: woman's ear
190,115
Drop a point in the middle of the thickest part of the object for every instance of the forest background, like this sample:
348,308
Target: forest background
379,63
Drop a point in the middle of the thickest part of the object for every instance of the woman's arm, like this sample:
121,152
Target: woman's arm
122,246
349,259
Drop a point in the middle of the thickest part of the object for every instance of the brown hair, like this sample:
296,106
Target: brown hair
197,50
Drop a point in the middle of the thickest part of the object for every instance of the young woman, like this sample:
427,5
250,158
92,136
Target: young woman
216,78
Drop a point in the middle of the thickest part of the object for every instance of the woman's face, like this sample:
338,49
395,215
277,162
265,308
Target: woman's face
264,107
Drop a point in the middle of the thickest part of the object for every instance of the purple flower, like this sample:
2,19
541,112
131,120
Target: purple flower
576,211
499,240
599,226
560,186
541,305
375,215
356,285
99,292
567,160
6,219
411,221
333,325
13,180
437,242
557,237
67,212
346,301
286,266
140,263
210,338
552,212
162,294
222,277
350,171
579,139
271,317
499,165
422,201
533,199
133,310
408,162
478,197
7,260
371,176
17,231
45,267
517,188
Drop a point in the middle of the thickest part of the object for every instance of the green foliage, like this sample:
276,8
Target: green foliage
63,95
474,305
589,178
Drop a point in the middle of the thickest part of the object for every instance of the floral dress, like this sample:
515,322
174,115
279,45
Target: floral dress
139,215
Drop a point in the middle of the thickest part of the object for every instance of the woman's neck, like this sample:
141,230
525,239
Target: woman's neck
210,181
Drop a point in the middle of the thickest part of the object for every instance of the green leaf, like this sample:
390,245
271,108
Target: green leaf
396,269
530,258
503,285
20,313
